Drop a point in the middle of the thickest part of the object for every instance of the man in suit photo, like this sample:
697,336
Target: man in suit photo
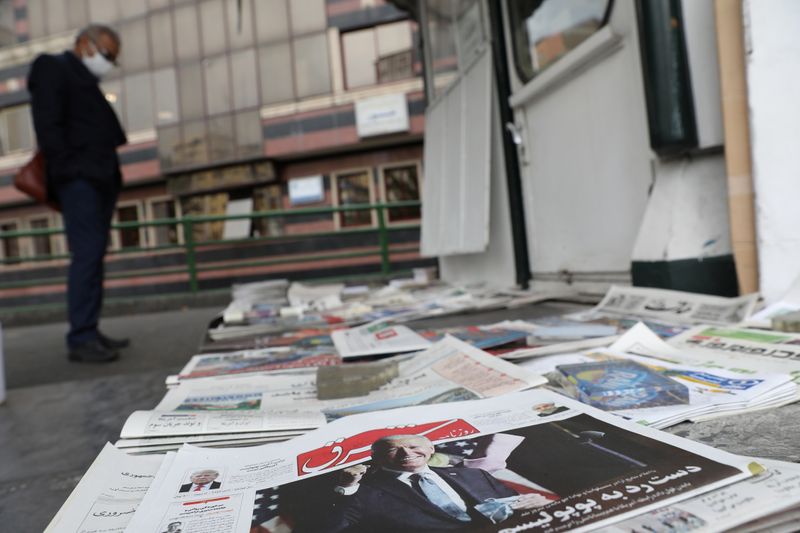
78,133
202,481
401,492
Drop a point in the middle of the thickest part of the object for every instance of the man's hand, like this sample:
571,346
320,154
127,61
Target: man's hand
529,501
351,476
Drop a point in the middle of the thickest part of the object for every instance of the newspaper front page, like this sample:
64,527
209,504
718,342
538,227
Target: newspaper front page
529,461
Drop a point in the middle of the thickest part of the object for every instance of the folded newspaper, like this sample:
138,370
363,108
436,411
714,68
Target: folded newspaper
529,461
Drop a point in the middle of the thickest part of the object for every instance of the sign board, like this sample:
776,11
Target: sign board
381,115
239,228
306,190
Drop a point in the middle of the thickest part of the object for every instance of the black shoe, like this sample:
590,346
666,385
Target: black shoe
92,352
113,344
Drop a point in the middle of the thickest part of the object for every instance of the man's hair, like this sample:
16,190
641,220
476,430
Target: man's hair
381,443
94,31
207,471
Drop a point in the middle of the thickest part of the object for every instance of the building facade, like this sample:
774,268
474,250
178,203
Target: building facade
231,107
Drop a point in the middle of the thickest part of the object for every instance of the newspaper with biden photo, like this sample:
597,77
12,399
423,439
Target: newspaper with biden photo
528,461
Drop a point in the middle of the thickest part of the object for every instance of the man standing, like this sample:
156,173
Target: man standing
78,132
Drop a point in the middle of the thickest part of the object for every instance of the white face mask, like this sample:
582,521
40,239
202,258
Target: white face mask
97,64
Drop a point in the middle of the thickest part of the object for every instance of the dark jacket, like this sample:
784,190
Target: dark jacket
76,128
187,487
385,504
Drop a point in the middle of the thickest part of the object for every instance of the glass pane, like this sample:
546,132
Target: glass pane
249,138
212,27
36,27
221,142
20,129
393,38
243,70
139,102
155,4
132,8
311,65
169,147
307,15
272,22
161,33
193,149
135,51
190,89
402,184
166,93
354,189
442,42
10,244
103,11
41,243
187,45
240,27
544,30
56,12
358,49
217,83
164,235
77,14
266,199
470,32
275,62
129,237
112,89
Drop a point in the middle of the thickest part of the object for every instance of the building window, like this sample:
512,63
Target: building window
401,184
379,54
163,209
41,245
353,188
16,130
10,245
265,199
545,30
129,237
206,204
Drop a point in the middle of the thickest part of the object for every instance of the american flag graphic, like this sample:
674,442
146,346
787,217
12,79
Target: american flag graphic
266,513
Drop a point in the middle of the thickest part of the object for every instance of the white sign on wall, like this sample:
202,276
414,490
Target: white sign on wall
306,190
381,115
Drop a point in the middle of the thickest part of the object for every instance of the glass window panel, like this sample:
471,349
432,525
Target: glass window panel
441,31
56,13
161,34
166,96
112,89
36,19
155,4
217,83
240,28
169,147
190,89
307,15
77,15
193,149
354,189
135,51
402,184
187,44
272,21
164,235
212,26
360,55
312,71
132,8
41,243
393,38
20,129
269,198
221,142
275,66
545,30
11,248
243,70
470,32
249,137
129,237
103,11
139,102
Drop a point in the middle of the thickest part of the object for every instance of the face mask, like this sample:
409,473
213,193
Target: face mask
97,64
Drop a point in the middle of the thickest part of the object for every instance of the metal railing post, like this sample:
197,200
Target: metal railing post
383,239
191,260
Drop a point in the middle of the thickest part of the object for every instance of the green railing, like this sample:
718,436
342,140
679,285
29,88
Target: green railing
193,266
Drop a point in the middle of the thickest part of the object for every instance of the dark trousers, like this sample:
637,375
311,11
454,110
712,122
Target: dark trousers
87,212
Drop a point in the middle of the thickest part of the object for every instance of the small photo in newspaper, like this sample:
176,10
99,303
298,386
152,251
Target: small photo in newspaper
552,476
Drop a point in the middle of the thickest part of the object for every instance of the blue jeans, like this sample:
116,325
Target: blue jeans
87,212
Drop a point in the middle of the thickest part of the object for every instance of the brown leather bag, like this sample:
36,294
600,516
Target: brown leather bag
32,180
